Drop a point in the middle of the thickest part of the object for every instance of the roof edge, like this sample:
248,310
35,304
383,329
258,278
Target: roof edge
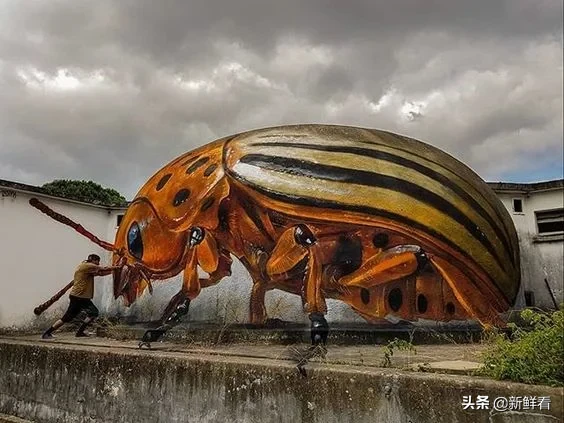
527,187
18,186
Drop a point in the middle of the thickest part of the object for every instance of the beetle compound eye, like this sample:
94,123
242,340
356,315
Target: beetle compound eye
135,241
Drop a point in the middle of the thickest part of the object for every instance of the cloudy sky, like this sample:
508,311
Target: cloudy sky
112,90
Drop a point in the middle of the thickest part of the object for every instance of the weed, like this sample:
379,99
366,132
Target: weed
533,353
398,344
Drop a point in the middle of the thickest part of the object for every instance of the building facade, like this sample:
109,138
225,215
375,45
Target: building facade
537,210
38,257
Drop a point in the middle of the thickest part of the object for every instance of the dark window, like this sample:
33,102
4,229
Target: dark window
119,219
529,298
550,221
517,205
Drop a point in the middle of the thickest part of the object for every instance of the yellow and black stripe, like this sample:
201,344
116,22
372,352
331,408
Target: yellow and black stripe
383,175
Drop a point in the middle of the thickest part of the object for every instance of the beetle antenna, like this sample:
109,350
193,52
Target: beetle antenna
66,221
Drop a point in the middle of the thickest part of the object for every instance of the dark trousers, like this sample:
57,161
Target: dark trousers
78,305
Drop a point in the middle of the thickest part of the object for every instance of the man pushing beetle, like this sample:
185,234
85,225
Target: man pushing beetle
81,295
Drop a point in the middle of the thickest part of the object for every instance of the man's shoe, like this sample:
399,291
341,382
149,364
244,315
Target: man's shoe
47,336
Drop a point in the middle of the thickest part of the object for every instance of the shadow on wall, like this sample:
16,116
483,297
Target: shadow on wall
225,303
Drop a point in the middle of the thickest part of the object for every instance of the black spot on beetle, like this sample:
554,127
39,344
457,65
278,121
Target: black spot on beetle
196,165
190,160
180,197
422,303
395,299
348,254
365,296
223,216
450,309
380,240
210,169
163,181
207,204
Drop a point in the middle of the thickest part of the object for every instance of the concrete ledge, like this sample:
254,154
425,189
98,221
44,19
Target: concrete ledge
11,419
290,333
50,382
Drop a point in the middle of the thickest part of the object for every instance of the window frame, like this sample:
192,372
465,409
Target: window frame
549,236
520,200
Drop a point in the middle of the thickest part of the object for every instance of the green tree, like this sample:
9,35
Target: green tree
87,191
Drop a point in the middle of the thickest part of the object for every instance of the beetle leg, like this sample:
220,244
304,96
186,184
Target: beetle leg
255,263
222,269
287,253
257,308
208,254
389,265
296,244
203,251
178,305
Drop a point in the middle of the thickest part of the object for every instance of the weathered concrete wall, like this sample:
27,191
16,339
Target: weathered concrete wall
52,383
540,258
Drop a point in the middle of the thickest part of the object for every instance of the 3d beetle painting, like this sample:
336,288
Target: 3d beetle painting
387,224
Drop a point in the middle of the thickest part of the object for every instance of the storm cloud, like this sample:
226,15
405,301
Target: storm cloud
113,90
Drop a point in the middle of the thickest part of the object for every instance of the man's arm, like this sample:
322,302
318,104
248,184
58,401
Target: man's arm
103,271
97,270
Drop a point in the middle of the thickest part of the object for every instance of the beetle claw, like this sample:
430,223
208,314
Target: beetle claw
181,309
319,329
152,335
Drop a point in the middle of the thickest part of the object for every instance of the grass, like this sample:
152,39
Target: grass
532,353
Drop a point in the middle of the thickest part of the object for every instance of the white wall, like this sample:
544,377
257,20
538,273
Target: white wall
38,255
540,259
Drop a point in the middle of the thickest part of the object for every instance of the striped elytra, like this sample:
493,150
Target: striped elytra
372,200
382,175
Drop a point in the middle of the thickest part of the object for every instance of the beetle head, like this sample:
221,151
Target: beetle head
154,233
151,249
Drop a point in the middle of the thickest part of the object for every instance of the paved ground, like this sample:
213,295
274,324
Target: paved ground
446,358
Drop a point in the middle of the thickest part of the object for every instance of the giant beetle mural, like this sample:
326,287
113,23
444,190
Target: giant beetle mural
385,223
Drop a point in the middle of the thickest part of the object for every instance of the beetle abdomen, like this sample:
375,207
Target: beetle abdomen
354,175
